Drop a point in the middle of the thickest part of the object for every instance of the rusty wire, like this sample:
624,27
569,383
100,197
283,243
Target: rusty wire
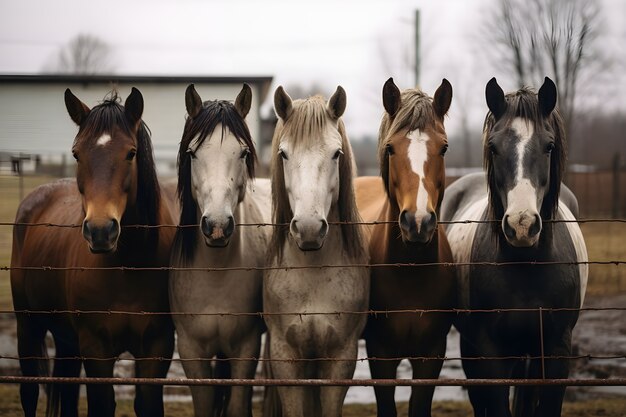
262,314
587,356
313,382
297,267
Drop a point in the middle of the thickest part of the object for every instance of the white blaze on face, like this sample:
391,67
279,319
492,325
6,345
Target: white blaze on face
217,174
418,154
522,198
103,140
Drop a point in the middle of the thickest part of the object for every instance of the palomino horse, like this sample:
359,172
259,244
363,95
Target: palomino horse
115,185
312,186
524,155
215,167
411,145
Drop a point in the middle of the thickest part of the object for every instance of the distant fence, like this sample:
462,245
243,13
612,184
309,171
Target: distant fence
600,193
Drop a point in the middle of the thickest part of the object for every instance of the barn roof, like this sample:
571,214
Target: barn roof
263,82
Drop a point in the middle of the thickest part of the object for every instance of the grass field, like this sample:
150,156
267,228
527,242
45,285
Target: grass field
604,407
605,242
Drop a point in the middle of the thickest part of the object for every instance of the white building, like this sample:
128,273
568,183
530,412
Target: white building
33,118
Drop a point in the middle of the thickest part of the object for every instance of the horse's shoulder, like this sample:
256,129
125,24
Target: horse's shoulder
370,196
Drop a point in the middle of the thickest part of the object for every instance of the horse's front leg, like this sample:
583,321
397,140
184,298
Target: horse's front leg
99,351
240,402
551,397
421,397
295,401
487,401
382,369
341,368
158,343
188,348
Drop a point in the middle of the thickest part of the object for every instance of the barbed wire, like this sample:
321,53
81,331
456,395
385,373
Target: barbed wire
319,359
615,262
315,382
262,314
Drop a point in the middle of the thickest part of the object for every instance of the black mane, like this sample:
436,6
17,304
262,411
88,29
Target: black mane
201,127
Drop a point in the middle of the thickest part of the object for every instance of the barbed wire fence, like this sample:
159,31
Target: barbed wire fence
608,381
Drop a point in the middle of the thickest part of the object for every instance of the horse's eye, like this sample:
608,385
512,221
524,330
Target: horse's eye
444,149
492,148
75,155
283,154
244,153
550,147
336,155
389,149
191,153
131,155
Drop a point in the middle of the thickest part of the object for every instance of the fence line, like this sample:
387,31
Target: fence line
587,356
606,382
262,314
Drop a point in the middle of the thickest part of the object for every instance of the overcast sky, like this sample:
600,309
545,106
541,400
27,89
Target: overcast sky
357,44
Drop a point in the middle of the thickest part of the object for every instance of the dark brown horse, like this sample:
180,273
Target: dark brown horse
412,142
115,185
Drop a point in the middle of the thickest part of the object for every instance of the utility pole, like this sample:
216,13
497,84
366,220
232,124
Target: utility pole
417,47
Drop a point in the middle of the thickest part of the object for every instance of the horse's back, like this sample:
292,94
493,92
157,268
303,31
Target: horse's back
461,193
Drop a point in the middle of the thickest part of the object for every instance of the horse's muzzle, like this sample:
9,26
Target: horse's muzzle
309,234
416,229
522,229
101,236
217,234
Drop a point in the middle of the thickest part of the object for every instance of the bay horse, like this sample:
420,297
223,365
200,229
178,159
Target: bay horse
521,193
216,161
115,185
412,142
312,187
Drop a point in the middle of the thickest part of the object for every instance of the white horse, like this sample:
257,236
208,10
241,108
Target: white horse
216,162
312,186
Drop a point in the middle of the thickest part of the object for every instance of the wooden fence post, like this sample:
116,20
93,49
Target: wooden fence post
617,201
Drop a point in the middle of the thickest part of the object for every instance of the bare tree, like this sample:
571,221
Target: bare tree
84,54
557,38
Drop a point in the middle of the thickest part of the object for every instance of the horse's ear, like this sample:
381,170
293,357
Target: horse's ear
193,102
391,97
133,107
443,98
336,105
77,109
547,97
243,102
282,103
495,98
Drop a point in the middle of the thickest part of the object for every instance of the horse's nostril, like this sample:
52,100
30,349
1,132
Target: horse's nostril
294,227
113,228
230,227
535,228
205,226
324,229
